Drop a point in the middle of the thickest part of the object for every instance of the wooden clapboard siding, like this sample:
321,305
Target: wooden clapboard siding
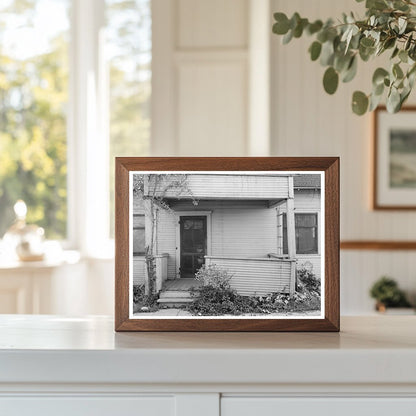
265,187
308,200
166,239
256,276
314,259
244,232
138,270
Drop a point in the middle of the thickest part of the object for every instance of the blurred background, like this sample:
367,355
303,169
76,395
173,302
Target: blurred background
83,81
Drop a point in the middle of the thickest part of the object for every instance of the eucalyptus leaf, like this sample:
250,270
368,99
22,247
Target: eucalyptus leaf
315,50
402,22
314,27
408,42
389,43
288,37
395,52
403,56
397,71
376,4
359,103
393,101
379,75
327,53
281,27
378,89
374,102
330,80
351,71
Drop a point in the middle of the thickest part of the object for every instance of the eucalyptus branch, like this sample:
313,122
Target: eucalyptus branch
388,26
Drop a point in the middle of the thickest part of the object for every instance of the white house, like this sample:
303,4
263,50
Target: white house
259,227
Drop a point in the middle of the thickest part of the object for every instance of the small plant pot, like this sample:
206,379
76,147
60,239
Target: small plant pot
381,307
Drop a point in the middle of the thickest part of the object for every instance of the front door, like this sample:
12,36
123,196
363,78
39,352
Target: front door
193,236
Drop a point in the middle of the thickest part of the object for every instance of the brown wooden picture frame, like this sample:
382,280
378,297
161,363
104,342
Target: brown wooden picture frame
328,165
376,205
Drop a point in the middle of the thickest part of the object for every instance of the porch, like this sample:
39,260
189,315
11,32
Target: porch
258,276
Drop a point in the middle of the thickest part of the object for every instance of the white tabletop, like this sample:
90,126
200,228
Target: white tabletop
376,349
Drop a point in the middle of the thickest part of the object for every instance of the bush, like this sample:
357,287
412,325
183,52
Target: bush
214,276
140,299
211,300
307,281
216,297
386,291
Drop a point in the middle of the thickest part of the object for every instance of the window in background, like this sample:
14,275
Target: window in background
33,101
306,226
129,52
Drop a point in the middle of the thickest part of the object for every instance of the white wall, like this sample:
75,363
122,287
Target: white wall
211,89
307,122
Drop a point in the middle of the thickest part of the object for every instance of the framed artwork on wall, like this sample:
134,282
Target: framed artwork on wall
394,178
227,244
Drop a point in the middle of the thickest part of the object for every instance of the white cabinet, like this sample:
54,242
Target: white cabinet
271,406
88,406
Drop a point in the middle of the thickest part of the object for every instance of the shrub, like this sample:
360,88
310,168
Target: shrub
140,299
214,276
211,300
216,297
307,281
386,291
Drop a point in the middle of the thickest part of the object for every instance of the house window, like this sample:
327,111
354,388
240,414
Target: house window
306,227
138,235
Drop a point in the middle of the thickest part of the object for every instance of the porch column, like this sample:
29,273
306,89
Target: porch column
148,228
291,233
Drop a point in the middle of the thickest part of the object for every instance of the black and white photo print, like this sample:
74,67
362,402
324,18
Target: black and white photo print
226,244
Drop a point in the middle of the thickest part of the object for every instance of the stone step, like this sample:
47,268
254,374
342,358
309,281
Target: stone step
174,294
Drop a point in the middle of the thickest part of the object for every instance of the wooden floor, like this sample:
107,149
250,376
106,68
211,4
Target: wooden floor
181,284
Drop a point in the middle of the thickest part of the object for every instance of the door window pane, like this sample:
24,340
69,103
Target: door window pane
33,105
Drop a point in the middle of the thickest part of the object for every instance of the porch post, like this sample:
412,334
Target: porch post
291,233
148,225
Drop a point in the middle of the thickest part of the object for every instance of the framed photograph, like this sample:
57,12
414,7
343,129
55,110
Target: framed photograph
227,244
395,159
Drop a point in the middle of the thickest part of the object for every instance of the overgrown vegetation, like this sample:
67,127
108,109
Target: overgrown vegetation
389,26
141,300
214,276
217,297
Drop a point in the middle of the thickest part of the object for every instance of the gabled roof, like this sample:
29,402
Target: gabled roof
309,181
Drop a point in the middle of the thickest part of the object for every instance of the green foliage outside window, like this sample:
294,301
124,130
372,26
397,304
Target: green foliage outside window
33,99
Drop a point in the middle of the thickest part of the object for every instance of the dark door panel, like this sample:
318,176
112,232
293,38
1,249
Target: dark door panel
193,235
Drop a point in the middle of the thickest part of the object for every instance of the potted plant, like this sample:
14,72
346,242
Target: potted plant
387,294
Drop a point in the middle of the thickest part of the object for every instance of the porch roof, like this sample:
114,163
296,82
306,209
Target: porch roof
227,186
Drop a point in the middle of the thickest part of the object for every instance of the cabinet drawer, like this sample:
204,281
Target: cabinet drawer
87,406
274,406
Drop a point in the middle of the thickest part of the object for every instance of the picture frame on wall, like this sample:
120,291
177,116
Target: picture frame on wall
227,244
394,151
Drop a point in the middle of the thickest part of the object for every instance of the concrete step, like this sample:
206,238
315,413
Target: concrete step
174,302
175,294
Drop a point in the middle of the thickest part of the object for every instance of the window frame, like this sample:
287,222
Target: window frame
317,227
